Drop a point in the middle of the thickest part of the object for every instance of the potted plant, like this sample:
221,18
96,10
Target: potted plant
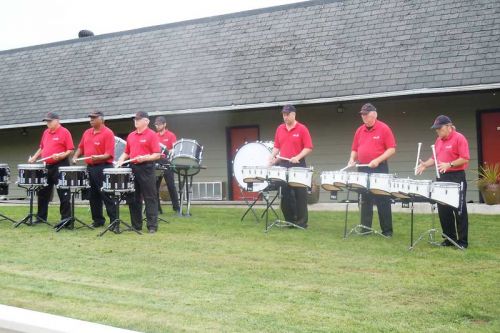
489,183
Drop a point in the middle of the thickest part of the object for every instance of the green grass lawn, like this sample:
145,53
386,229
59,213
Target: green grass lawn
212,272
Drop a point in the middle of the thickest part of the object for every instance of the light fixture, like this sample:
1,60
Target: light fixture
340,108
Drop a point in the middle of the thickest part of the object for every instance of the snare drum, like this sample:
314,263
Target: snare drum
400,188
380,183
261,172
186,152
420,188
32,174
118,180
333,180
357,180
277,174
73,177
300,177
4,174
446,193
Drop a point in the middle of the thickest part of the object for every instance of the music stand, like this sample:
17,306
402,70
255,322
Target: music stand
115,225
28,220
69,221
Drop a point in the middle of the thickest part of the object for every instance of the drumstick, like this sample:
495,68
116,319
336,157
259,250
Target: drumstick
283,158
435,160
43,159
362,165
347,167
127,161
83,158
418,157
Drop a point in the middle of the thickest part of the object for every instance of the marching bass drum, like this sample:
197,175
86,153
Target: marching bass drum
255,155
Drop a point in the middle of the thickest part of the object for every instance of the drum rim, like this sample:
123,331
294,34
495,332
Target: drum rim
31,167
73,168
117,170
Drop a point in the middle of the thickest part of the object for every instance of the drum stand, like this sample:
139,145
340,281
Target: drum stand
359,229
279,223
431,232
115,225
70,221
185,184
28,220
264,194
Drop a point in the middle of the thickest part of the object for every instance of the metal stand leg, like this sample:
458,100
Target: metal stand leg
6,218
28,220
250,206
361,229
70,221
115,225
280,223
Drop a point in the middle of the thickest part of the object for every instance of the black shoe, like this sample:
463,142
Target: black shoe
446,243
70,226
152,231
97,225
387,234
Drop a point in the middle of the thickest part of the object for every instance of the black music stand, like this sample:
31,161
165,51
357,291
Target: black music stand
70,221
28,220
359,229
115,225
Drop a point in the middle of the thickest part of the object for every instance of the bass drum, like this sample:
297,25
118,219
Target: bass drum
253,154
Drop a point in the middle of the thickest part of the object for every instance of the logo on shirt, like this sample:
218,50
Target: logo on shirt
377,137
97,143
55,138
295,135
143,140
448,147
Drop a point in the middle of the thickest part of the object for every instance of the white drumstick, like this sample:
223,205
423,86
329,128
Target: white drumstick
347,167
127,161
418,157
43,159
435,160
362,165
83,158
283,158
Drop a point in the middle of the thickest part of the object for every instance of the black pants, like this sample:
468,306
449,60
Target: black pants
97,197
455,222
45,193
172,191
294,200
145,188
383,203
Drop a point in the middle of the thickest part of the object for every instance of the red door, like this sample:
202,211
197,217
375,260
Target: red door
238,136
490,137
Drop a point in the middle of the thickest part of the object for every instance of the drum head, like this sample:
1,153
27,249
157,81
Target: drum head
251,154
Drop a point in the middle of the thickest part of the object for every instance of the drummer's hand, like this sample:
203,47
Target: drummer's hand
94,158
32,159
117,164
294,160
443,166
373,164
421,168
272,160
142,158
56,157
73,160
351,162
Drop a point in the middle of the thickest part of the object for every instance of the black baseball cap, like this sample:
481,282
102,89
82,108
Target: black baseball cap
288,108
367,108
51,116
95,114
160,120
440,121
140,115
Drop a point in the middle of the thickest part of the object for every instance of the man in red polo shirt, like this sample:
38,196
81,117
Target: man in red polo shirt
452,153
143,147
167,138
292,141
56,145
373,144
98,146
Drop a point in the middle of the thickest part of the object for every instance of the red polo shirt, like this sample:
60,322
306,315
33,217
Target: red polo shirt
373,142
291,142
98,143
167,138
57,141
451,148
144,143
